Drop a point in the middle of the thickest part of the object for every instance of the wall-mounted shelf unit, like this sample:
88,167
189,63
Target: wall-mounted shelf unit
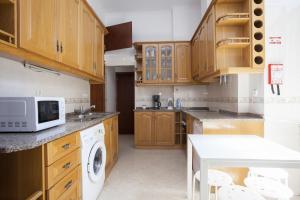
8,22
139,63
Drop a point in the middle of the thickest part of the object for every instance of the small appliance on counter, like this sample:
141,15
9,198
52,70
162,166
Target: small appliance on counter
31,114
156,101
170,104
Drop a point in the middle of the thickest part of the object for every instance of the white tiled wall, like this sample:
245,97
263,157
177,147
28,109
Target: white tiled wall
191,96
15,80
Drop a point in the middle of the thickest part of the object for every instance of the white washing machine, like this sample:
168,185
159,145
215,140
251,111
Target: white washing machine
93,158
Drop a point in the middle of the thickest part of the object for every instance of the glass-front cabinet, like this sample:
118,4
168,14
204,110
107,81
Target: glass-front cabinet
166,61
158,63
150,63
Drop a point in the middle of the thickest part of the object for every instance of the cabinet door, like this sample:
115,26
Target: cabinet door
150,63
143,122
195,57
166,63
38,27
108,145
202,51
210,24
114,138
99,51
87,28
69,32
183,70
165,128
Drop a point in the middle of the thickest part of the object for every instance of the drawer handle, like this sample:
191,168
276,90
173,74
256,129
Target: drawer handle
68,185
66,146
67,165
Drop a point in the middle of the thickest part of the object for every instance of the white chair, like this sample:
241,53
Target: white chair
236,192
273,173
216,179
269,188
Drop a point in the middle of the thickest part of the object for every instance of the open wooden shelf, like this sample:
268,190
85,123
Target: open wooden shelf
8,21
240,42
138,57
233,19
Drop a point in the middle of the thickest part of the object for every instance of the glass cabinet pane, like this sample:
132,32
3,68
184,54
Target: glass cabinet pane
150,63
166,65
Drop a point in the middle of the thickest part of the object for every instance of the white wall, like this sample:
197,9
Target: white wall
110,90
15,80
282,113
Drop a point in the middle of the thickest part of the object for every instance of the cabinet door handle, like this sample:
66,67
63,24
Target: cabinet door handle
68,185
66,146
61,48
57,45
67,165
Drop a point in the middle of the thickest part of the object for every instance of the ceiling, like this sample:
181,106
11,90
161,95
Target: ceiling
141,5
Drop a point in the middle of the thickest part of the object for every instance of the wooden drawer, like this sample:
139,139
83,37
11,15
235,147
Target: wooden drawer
61,147
67,186
61,168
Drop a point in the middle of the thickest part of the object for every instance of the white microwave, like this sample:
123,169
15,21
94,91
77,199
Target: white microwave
31,114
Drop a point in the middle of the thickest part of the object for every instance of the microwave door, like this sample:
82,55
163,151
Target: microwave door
48,111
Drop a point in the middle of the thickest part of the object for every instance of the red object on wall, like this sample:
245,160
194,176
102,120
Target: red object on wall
275,74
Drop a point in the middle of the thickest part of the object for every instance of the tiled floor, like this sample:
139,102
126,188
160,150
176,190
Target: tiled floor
146,174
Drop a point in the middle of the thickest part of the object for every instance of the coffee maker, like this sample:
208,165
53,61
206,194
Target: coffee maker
156,101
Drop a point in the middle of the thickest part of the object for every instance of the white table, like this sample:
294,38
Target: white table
235,151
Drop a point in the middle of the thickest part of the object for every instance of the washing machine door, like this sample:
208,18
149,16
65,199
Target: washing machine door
97,160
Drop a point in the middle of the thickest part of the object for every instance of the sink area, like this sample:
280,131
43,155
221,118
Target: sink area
86,117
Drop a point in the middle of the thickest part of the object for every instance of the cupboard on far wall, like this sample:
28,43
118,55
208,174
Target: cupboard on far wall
65,36
163,63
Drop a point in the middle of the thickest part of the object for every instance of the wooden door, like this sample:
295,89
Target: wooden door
69,32
195,57
202,51
99,51
183,69
150,63
107,140
87,28
38,27
114,138
164,128
210,24
125,101
143,133
166,63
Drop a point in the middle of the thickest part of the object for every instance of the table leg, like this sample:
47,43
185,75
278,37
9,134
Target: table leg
204,188
189,169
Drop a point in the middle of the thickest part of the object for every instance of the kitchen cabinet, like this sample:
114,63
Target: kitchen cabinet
87,25
154,129
99,51
69,32
111,143
150,63
164,128
64,36
38,27
195,56
202,53
144,128
210,42
166,63
183,73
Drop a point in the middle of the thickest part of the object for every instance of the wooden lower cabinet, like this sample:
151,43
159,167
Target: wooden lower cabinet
111,143
155,129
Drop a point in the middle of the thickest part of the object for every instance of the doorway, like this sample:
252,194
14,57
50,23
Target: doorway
125,101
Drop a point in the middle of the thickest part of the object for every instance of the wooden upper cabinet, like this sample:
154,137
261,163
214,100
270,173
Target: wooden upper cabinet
99,51
144,128
87,28
166,63
150,63
183,63
165,128
210,44
195,57
38,27
69,32
203,51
